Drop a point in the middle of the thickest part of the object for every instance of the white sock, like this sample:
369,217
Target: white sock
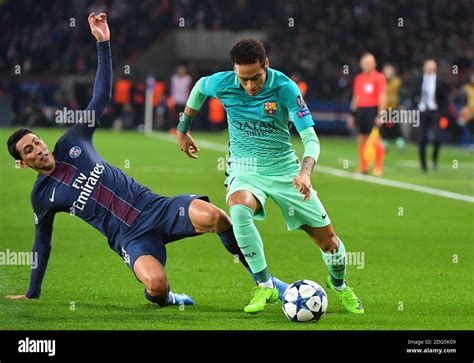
340,288
268,283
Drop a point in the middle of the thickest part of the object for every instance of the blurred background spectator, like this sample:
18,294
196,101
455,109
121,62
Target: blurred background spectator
181,84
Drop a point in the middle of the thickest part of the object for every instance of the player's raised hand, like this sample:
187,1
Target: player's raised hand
187,144
99,26
303,182
16,297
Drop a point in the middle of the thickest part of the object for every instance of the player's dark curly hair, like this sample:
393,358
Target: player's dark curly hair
248,51
13,139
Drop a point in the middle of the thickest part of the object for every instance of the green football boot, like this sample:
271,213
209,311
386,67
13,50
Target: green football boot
261,297
348,298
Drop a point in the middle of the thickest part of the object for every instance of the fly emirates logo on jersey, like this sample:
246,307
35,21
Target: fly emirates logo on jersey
86,185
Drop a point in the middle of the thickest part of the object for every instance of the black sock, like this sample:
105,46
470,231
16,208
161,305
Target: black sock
160,300
230,243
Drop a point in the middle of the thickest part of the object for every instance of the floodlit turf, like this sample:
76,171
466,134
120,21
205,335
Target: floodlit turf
416,273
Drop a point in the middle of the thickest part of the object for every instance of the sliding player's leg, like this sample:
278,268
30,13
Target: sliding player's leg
147,259
152,275
186,216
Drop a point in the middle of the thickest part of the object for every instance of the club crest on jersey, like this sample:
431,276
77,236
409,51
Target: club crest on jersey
270,108
74,152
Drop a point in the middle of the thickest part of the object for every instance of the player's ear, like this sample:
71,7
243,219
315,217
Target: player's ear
267,63
21,164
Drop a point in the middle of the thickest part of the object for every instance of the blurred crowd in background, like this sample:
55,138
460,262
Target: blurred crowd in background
318,43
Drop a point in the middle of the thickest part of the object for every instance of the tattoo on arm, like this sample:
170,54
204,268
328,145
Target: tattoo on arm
308,165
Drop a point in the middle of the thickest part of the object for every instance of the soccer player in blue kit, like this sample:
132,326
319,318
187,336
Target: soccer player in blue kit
137,223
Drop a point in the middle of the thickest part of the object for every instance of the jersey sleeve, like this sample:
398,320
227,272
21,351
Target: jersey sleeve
100,97
196,97
41,249
298,112
210,85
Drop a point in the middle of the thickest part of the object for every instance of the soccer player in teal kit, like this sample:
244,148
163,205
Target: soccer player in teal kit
261,105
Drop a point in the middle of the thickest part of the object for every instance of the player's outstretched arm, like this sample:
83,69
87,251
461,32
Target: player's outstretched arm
41,252
103,80
193,105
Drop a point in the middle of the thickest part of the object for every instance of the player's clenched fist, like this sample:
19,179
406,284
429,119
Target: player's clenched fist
99,27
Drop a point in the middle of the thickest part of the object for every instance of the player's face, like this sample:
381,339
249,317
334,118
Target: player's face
34,153
252,77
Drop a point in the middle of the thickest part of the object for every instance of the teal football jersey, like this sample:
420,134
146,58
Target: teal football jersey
259,126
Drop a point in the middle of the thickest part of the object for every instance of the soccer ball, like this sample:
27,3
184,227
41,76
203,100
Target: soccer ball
304,301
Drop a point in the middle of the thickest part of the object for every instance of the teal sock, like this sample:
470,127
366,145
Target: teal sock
248,238
263,276
336,264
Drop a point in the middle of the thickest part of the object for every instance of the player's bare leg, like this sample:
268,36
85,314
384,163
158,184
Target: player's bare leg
207,218
334,256
152,274
324,237
243,197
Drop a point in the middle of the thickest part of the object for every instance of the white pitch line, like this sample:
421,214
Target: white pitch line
395,184
346,174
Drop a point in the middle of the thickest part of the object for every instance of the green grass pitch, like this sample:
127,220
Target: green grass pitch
417,271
